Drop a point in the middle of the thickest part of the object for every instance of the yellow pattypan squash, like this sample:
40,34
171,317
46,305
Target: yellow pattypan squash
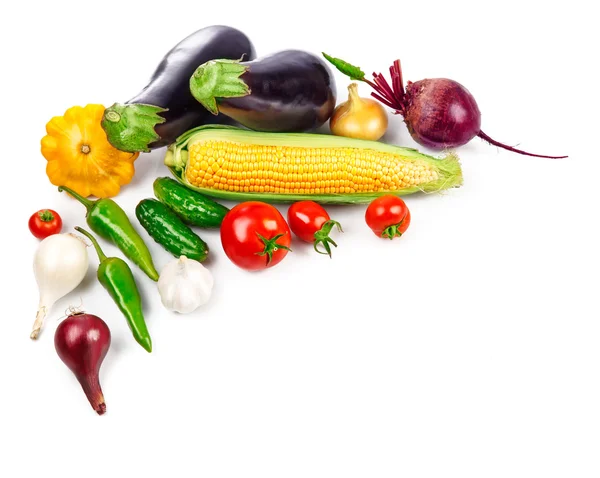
80,156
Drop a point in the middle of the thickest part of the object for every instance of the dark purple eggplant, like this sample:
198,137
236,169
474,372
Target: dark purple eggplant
165,108
289,91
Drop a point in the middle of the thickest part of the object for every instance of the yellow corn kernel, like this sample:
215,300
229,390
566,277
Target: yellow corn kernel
233,166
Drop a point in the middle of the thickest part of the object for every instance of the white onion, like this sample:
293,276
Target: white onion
59,265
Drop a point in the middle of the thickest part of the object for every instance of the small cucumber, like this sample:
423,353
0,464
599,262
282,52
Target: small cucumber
192,207
165,227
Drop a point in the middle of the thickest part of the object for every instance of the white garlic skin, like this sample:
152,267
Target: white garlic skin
184,285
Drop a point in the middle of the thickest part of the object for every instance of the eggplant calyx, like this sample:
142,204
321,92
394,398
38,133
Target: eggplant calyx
130,127
218,79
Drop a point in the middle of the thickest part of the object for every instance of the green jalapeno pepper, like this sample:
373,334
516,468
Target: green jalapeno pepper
116,277
106,218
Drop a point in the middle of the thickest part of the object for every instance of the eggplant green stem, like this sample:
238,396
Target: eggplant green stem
271,246
322,236
218,79
132,127
86,202
94,242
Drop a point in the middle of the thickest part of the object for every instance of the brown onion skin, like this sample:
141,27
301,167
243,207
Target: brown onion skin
360,118
81,342
441,113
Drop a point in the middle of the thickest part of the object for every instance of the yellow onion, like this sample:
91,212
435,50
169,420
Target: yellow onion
360,118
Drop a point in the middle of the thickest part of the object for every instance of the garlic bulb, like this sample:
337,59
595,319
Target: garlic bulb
184,285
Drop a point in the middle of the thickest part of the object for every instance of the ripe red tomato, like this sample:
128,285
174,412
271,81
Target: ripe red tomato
388,216
311,223
44,223
255,236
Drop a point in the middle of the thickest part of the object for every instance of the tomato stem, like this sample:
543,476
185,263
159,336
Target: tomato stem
322,237
271,246
392,231
46,215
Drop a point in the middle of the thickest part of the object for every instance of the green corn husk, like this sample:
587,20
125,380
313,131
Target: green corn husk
449,174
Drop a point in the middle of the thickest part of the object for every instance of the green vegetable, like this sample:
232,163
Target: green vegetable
169,231
192,207
116,277
106,218
353,72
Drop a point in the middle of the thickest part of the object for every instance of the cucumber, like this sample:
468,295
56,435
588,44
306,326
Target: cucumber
192,207
165,227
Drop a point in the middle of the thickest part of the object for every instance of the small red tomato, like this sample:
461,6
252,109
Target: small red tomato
255,235
311,223
388,216
44,223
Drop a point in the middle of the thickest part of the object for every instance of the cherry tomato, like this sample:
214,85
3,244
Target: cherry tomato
388,216
255,236
44,223
311,223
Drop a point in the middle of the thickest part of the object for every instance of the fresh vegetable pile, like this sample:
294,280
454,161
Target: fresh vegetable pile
240,129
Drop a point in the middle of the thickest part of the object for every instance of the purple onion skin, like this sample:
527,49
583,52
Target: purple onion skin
441,113
81,342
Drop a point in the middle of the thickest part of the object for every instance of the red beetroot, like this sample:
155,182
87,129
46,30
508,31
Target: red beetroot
439,113
81,341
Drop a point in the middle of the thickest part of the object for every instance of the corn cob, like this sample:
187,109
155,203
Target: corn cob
237,164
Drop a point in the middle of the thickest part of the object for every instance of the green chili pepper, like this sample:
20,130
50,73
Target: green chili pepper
106,218
116,277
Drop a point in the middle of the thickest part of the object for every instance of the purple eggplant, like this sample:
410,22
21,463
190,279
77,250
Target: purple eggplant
289,91
165,108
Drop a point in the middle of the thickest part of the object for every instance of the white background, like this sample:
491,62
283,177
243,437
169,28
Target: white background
468,348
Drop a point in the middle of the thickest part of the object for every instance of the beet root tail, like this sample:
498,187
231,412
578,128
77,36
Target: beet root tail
485,137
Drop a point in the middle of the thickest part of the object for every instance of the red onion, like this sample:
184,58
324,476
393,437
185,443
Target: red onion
439,113
81,341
